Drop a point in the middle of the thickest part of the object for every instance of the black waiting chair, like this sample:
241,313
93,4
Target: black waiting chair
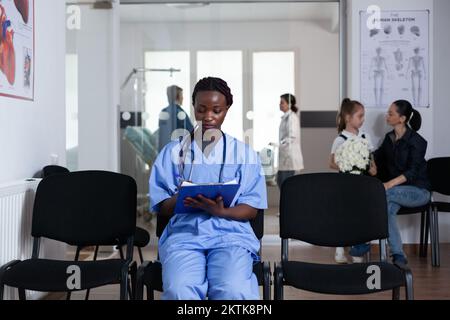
86,208
150,272
141,236
353,212
439,174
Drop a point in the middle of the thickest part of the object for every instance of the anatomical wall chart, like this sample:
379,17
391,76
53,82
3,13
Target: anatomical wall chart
395,58
17,49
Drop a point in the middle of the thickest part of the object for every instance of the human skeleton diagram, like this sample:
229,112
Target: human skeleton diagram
378,71
398,55
417,71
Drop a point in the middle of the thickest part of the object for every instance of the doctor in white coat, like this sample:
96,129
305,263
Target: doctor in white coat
290,157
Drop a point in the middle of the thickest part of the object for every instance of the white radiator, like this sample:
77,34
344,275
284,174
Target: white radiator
16,209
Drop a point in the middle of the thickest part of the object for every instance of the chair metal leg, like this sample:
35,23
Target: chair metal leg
22,295
141,257
396,293
121,252
422,235
434,228
130,289
124,284
88,291
139,288
278,283
409,289
150,294
133,276
266,281
427,232
436,245
383,252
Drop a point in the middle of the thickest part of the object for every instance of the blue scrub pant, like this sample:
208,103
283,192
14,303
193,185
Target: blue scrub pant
219,274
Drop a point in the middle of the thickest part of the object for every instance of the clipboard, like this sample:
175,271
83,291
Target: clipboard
210,190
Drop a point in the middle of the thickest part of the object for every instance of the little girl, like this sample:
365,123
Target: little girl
349,122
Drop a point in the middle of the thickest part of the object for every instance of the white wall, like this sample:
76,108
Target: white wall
96,45
434,128
316,46
441,90
30,131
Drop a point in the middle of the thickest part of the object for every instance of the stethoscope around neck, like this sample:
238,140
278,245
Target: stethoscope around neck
182,157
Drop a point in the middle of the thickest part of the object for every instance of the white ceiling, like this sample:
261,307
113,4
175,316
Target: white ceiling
229,12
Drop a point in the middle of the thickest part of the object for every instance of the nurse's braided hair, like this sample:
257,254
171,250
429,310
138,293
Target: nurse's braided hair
213,84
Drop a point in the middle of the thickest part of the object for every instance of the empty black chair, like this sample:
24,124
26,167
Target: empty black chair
86,208
141,236
149,273
335,210
439,174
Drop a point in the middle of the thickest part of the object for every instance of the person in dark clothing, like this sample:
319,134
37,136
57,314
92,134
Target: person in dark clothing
401,165
173,117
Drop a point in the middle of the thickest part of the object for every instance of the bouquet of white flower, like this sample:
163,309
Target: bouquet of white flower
353,156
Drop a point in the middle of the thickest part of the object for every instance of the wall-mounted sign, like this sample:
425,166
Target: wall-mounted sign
17,49
395,58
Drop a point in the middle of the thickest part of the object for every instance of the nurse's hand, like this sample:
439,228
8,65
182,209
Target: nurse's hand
168,206
214,207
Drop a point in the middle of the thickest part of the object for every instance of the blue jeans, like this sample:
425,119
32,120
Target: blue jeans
397,197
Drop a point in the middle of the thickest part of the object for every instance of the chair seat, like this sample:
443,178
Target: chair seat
405,210
51,275
141,237
339,279
153,275
442,206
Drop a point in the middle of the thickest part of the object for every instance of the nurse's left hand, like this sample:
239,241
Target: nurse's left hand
214,207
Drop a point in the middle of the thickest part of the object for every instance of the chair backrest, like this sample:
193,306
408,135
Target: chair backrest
333,209
439,175
257,224
85,208
53,169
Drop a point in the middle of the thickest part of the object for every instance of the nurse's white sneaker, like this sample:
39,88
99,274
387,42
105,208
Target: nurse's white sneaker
339,256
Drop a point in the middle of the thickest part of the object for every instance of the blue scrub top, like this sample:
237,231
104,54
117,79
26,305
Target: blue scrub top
202,230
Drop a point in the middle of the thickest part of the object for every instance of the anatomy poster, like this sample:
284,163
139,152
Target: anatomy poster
17,49
395,58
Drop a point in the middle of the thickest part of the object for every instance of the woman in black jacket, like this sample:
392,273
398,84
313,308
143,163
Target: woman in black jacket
402,167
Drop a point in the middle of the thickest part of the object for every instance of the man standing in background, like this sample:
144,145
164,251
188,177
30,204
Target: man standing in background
173,117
